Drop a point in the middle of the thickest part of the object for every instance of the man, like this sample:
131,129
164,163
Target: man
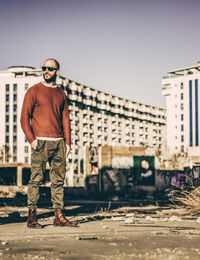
46,124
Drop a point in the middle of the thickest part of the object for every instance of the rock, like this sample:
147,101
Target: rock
164,219
130,215
174,218
113,244
4,243
149,218
129,220
117,218
105,227
198,220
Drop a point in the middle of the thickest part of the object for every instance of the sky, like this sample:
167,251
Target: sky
121,47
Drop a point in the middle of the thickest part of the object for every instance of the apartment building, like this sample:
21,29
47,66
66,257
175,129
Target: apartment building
181,89
97,118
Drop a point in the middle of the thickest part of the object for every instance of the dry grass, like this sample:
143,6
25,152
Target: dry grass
189,201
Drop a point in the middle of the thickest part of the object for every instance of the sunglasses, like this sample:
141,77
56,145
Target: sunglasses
48,68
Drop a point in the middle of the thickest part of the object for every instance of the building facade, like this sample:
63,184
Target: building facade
181,89
97,118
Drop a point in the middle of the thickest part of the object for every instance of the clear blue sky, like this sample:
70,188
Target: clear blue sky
122,47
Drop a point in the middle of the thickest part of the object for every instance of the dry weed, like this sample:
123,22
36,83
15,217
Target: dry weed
188,200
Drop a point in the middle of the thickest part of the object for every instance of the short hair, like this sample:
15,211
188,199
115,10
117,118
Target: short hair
57,63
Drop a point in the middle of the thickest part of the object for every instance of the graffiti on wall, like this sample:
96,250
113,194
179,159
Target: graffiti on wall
93,160
178,179
144,170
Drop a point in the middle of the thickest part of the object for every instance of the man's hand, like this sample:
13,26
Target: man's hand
34,144
67,150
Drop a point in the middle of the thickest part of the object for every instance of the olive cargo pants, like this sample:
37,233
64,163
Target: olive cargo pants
55,153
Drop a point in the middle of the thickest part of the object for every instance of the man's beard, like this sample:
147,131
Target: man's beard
49,80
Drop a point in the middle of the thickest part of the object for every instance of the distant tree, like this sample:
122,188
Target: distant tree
5,154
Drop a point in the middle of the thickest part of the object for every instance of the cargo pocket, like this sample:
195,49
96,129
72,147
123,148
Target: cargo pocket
40,146
37,171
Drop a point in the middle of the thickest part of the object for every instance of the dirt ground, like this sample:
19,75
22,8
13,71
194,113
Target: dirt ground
149,232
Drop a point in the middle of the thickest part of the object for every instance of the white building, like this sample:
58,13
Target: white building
181,89
13,84
97,118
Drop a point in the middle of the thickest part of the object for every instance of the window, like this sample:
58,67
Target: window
182,138
14,138
7,128
26,140
15,108
182,106
7,108
14,87
26,149
182,96
7,139
14,128
182,117
14,158
15,97
182,128
14,118
7,118
7,87
26,159
26,86
7,97
181,85
14,149
182,148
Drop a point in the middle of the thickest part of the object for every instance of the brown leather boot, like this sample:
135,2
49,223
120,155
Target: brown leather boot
32,219
61,221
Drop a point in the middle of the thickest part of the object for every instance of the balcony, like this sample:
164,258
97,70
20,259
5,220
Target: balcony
87,102
101,97
73,86
87,92
73,97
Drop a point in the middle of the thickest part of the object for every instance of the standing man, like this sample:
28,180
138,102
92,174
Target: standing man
46,124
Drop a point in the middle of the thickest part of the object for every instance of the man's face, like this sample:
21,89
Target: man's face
50,71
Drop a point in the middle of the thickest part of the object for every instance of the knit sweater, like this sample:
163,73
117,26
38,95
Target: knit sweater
45,113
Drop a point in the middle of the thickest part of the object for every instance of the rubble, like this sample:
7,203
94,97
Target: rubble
104,235
174,218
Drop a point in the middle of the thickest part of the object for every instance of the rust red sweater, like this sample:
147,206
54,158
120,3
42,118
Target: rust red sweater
45,113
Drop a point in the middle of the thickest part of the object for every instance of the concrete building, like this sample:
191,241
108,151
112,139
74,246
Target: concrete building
97,118
181,89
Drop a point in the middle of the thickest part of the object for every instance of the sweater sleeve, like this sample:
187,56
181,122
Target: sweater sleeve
26,114
66,123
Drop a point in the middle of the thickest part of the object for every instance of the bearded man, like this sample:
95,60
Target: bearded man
46,124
